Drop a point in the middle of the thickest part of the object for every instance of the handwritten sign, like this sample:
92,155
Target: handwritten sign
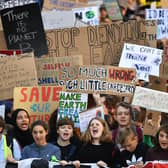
63,4
13,3
86,116
16,71
113,9
10,52
48,68
89,15
100,44
39,101
151,99
161,15
57,19
70,104
23,29
146,60
2,111
99,79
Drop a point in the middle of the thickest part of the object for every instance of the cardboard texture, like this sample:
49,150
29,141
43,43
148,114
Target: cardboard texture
63,4
164,70
158,83
16,71
70,104
48,68
99,79
165,56
86,116
2,41
151,99
145,59
100,44
23,29
10,52
113,9
164,3
39,101
152,123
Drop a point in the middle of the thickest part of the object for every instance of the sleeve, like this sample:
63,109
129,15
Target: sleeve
24,154
116,155
16,150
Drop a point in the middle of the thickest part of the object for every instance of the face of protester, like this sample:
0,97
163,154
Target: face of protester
39,135
163,140
22,120
130,143
65,132
103,13
123,116
96,129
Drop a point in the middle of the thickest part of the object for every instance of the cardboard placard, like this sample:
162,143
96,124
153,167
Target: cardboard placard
10,52
70,104
151,99
158,83
152,123
39,101
2,111
48,68
161,16
164,3
99,79
86,116
63,4
100,44
113,9
16,71
146,60
164,70
23,29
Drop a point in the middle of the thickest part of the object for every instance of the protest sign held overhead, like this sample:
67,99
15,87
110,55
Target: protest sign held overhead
161,15
89,15
23,29
146,60
151,99
99,79
100,44
70,104
16,71
86,116
48,68
113,9
39,101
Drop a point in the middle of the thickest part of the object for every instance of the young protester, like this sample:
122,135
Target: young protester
109,106
21,130
98,147
5,151
104,17
124,119
160,150
134,152
40,148
69,150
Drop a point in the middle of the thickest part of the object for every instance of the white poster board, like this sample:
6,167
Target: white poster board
161,15
2,111
145,60
86,116
89,15
151,99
